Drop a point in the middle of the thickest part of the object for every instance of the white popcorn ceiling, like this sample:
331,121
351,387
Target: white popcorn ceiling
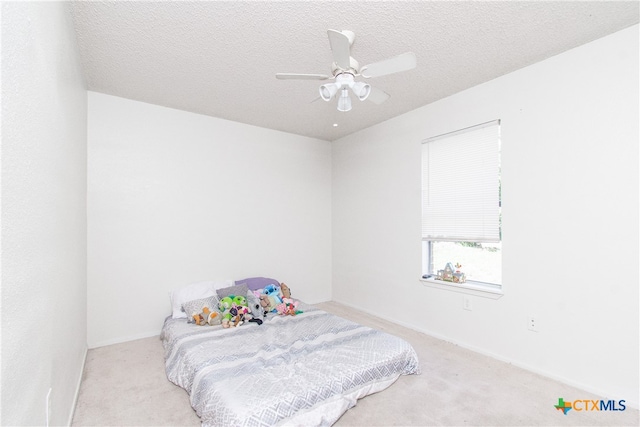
219,58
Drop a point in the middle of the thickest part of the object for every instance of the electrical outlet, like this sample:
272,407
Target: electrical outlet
466,303
532,323
48,406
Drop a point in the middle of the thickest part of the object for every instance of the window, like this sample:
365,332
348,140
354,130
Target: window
461,219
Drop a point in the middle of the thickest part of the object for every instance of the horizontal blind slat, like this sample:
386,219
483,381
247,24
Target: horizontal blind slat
460,185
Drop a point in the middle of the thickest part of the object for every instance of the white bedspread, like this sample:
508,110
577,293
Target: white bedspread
292,370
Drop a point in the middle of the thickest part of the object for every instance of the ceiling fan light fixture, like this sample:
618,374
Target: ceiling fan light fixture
361,90
328,91
344,69
344,102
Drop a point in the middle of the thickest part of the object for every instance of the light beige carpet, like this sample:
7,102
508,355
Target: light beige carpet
125,385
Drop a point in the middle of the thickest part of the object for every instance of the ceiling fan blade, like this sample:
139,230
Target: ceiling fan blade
406,61
294,76
341,47
378,96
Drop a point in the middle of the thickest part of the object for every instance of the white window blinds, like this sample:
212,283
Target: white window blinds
460,185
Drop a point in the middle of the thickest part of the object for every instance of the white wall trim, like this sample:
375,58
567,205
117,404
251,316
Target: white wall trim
78,385
121,340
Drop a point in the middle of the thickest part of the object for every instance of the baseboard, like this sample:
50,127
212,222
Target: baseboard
77,393
120,340
567,381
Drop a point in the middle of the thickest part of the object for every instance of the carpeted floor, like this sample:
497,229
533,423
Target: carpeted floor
125,385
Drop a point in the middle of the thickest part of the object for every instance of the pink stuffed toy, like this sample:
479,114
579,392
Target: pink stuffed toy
288,307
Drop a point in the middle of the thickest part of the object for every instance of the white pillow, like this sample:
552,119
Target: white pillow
192,292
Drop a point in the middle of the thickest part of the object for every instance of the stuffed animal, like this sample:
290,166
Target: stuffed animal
265,303
285,291
268,303
235,311
257,311
270,297
288,307
239,300
225,304
243,309
229,317
207,317
213,317
237,316
199,319
273,291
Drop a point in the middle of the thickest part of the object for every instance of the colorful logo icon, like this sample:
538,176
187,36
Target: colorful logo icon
563,406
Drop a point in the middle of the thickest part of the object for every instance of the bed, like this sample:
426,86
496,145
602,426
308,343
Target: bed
306,369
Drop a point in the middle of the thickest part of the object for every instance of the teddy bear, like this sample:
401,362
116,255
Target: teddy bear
268,303
285,291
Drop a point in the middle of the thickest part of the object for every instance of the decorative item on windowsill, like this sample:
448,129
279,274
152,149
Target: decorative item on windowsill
449,274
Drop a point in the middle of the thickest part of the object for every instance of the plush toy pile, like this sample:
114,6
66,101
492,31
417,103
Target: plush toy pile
235,311
277,299
288,307
235,305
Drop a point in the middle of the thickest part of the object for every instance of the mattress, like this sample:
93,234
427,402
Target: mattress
306,369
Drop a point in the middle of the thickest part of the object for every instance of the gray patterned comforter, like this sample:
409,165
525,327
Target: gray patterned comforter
292,370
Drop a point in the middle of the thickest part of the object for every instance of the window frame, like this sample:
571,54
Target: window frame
429,276
484,289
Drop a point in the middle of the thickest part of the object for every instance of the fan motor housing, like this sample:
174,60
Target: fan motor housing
354,68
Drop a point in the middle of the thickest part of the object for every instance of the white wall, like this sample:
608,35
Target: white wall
175,198
44,113
570,218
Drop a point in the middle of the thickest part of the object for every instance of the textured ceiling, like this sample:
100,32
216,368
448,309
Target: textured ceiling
219,58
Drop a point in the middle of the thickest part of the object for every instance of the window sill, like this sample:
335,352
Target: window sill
471,288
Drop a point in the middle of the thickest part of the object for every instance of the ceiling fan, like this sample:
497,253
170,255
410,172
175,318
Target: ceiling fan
344,70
